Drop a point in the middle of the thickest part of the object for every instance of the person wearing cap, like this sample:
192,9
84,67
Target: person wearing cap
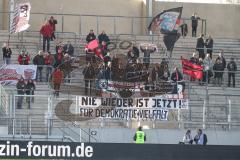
140,136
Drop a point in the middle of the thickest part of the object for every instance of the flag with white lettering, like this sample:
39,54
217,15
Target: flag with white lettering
21,18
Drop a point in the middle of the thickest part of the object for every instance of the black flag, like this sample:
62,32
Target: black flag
168,22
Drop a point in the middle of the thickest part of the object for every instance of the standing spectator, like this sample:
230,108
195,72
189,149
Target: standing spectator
194,58
133,54
209,45
140,136
177,77
103,37
232,68
200,62
46,31
218,74
91,36
194,19
7,52
30,88
57,78
39,61
222,59
200,138
103,48
68,49
53,23
49,61
23,58
187,138
163,73
21,86
58,58
59,46
200,46
89,75
67,60
147,50
184,29
207,69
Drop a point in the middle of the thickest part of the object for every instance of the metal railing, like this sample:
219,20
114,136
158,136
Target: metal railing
4,101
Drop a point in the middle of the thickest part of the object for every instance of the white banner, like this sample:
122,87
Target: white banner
9,74
162,102
128,108
21,18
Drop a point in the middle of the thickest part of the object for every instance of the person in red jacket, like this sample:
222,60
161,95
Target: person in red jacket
23,58
53,23
57,77
46,31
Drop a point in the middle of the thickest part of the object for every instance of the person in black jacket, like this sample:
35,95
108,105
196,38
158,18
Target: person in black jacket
194,19
103,37
200,46
177,78
209,45
68,49
39,61
194,58
218,74
7,52
133,54
89,75
91,36
232,68
30,87
21,86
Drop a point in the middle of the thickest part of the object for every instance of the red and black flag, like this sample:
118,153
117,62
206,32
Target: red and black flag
193,70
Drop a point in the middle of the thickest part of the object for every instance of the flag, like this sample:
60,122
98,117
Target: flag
168,20
21,18
170,39
92,45
193,70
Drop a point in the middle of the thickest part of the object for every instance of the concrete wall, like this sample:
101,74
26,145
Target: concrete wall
4,16
164,136
222,20
1,10
88,7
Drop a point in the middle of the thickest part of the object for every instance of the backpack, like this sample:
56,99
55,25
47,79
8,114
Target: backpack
204,139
